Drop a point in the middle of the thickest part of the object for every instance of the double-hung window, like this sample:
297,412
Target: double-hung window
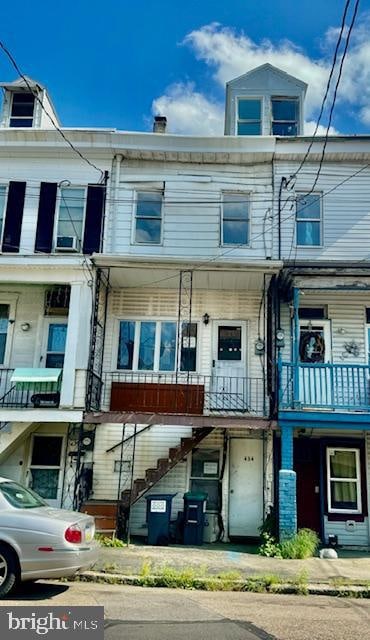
344,480
148,217
249,116
285,116
71,218
309,220
22,110
235,218
4,324
151,345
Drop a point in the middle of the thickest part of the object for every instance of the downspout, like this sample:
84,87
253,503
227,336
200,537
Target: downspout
283,183
296,295
113,195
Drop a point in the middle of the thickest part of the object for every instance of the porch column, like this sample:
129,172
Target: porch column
296,295
77,341
287,486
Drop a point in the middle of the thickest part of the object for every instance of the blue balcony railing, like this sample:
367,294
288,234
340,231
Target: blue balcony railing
324,386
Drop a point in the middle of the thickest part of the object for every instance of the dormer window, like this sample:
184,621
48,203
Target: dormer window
285,116
23,105
249,117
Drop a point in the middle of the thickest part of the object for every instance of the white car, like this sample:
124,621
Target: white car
38,541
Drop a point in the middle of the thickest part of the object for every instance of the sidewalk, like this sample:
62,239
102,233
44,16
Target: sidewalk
351,566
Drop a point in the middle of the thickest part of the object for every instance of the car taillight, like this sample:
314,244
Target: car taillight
73,534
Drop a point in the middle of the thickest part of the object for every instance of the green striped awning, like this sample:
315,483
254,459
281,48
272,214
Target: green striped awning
33,376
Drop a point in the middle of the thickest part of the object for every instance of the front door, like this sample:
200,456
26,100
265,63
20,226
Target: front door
307,468
45,469
229,388
315,386
246,487
55,343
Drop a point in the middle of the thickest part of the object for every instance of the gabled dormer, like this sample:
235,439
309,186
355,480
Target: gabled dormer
265,101
26,104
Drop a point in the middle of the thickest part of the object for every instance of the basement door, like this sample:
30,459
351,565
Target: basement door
229,388
45,469
245,487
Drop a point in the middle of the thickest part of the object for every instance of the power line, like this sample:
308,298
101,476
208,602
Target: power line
339,40
50,117
336,92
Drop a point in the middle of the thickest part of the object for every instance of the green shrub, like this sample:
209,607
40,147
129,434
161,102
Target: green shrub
105,541
269,547
302,545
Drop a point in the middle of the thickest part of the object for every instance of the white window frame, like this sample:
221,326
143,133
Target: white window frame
57,207
11,117
356,480
158,322
224,195
11,301
237,119
47,323
298,121
319,194
4,212
191,477
135,217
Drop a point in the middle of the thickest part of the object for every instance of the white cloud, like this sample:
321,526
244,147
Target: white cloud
231,54
190,112
310,126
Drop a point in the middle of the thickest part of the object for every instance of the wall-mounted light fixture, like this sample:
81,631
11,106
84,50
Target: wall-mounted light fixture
25,326
205,318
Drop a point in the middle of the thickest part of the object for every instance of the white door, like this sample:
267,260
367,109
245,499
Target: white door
229,387
315,382
45,469
246,487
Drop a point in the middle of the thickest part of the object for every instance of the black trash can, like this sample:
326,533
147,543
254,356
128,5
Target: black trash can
194,517
158,515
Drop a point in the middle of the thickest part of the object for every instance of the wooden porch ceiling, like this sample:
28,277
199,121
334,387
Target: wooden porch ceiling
170,419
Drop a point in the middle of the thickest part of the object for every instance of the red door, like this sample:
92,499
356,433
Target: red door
307,467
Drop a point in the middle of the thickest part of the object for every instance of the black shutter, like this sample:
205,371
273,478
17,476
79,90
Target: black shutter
94,218
13,217
45,217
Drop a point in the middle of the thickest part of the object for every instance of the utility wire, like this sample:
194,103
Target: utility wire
49,116
348,38
334,62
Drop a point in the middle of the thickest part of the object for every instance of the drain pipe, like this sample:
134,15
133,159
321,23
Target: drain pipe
113,197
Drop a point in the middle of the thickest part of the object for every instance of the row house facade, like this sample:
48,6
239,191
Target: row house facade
188,313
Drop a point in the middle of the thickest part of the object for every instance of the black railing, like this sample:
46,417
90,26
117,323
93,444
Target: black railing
187,393
20,395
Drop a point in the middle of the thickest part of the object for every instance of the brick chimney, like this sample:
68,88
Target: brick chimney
159,124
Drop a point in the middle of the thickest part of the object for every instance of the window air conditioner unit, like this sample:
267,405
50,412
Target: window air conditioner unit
66,243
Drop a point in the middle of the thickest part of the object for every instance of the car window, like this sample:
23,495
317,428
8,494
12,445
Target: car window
20,497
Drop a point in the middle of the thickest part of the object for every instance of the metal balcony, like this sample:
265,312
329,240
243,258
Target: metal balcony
181,393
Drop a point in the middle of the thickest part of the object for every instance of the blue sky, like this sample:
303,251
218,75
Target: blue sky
116,63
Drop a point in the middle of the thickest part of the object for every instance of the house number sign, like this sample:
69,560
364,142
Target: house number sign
158,506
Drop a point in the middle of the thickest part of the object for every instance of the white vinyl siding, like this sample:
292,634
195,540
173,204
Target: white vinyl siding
191,211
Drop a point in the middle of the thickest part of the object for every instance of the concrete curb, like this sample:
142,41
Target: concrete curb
253,584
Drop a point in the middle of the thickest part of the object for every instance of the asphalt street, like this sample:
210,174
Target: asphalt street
134,613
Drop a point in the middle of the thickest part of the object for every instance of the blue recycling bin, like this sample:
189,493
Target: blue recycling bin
158,516
194,517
